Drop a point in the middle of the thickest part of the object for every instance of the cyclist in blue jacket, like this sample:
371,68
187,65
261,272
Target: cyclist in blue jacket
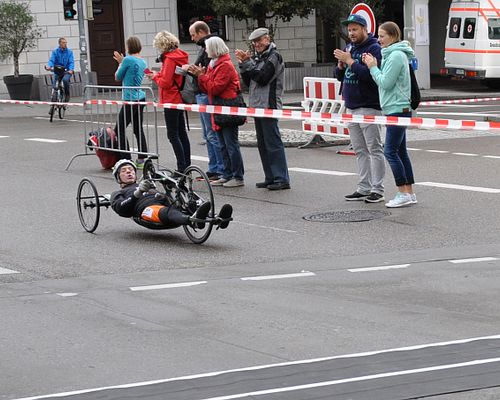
64,57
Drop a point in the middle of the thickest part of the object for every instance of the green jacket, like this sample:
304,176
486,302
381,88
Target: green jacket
393,77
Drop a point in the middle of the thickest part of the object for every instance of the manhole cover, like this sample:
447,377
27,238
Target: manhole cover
347,216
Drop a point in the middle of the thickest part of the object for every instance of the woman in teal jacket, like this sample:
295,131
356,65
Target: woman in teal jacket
393,80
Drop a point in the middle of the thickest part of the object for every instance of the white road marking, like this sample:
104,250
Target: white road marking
438,151
413,149
283,276
491,156
466,154
5,271
3,137
356,379
473,260
260,367
381,268
67,294
321,171
459,187
265,227
46,140
166,286
199,158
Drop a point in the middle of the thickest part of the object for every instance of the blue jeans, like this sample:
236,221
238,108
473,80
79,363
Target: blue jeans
230,146
65,81
396,154
215,159
271,150
177,135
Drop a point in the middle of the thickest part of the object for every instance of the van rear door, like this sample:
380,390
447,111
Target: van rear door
460,42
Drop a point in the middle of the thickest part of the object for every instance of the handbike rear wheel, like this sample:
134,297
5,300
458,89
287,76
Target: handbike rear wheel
87,202
194,190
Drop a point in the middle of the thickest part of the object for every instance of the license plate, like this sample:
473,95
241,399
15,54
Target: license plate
460,72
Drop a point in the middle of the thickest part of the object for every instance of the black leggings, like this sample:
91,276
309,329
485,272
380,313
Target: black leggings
171,217
131,113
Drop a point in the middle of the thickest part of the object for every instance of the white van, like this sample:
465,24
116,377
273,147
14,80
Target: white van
472,47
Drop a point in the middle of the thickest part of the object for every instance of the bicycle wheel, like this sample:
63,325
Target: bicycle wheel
194,190
87,202
52,107
60,99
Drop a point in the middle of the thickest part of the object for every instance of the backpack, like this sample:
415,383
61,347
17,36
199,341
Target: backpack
188,89
415,91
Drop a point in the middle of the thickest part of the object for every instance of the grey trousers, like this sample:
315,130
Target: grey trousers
367,144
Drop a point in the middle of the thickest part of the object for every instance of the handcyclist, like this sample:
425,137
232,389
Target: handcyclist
149,207
62,56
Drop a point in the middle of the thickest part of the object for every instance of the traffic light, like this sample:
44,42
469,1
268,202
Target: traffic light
96,11
69,10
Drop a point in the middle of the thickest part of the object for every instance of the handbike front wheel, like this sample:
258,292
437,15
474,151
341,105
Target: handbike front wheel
194,190
87,202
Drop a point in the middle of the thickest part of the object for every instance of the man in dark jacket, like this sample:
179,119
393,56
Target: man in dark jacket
264,75
200,32
361,97
150,208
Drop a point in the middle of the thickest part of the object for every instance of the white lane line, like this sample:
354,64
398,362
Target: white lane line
413,149
260,367
466,154
283,276
381,268
45,140
199,158
356,379
459,187
3,137
265,227
473,260
321,171
438,151
67,294
491,157
5,271
166,286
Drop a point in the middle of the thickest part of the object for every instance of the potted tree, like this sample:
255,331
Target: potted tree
18,32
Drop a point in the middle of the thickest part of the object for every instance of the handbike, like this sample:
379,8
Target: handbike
186,191
57,95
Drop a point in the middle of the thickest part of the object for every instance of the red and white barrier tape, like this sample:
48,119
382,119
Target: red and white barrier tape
458,101
300,115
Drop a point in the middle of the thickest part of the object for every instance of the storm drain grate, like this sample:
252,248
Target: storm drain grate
347,216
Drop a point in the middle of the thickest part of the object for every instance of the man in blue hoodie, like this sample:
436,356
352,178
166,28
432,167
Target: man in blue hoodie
62,56
361,97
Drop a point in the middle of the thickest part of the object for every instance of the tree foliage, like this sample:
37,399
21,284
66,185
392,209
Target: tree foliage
18,31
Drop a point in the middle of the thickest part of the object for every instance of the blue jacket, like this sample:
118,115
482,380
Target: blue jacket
358,88
62,57
131,73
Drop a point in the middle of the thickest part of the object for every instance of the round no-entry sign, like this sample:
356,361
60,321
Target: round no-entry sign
364,10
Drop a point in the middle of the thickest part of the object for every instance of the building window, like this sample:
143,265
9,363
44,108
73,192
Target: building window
191,11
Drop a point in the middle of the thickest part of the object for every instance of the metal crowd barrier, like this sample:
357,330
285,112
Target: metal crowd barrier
104,118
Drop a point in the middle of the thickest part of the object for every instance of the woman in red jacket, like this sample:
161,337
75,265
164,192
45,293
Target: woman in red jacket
221,80
169,84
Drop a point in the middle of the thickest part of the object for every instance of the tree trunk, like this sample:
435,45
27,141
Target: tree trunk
16,66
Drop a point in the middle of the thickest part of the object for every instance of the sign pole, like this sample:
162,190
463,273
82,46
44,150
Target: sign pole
84,71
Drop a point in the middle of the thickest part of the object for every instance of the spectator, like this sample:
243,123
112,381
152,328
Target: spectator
263,74
63,57
393,80
200,32
361,98
221,79
169,84
131,72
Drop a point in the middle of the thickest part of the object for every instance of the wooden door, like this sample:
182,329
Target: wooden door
105,36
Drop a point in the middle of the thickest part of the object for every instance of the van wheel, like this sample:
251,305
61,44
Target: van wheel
491,83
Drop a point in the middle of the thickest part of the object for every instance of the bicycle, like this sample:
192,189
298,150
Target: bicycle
57,94
186,191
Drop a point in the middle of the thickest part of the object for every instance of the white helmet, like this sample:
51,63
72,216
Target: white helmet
119,164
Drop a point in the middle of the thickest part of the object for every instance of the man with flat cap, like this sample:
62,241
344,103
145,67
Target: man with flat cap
263,73
360,94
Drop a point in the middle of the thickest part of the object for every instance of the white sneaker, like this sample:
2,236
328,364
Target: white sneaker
219,182
401,200
414,198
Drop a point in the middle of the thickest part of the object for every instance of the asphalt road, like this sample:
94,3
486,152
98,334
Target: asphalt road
419,275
